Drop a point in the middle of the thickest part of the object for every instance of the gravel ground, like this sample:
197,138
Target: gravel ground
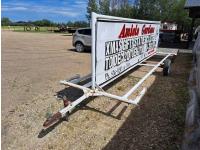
32,65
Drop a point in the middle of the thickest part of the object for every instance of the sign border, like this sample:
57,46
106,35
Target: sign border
104,18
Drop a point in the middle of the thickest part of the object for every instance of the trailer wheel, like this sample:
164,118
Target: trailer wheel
167,67
79,47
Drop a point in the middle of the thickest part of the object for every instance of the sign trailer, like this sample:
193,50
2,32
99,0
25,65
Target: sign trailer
118,45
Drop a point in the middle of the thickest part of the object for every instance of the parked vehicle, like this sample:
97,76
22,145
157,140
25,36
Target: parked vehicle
170,36
82,39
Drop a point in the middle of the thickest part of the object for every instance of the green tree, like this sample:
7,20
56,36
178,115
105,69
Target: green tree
148,9
126,11
5,21
80,24
162,10
104,7
124,8
70,24
92,7
180,15
43,22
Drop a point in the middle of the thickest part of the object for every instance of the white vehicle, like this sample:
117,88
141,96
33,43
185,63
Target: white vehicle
82,39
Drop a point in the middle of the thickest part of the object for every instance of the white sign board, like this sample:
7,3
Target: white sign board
119,44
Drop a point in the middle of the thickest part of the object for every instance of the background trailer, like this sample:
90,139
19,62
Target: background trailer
118,45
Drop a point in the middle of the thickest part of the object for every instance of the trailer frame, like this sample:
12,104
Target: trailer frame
90,89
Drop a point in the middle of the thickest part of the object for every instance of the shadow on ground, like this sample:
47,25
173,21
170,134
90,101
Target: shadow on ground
158,121
67,34
178,45
69,92
85,51
72,94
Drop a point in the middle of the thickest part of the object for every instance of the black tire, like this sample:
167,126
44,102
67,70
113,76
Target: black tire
167,67
173,59
28,28
37,28
79,47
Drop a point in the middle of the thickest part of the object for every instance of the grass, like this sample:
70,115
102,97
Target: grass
22,29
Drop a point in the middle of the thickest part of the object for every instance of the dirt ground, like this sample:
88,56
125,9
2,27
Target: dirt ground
32,65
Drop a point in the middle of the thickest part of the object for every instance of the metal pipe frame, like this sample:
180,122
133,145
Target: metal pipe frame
96,90
150,65
111,80
145,77
88,92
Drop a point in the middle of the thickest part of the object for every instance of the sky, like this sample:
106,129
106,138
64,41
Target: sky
54,10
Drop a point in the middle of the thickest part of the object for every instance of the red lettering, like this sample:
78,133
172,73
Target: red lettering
128,32
147,30
122,34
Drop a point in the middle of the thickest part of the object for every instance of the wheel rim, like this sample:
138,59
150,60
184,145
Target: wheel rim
79,47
